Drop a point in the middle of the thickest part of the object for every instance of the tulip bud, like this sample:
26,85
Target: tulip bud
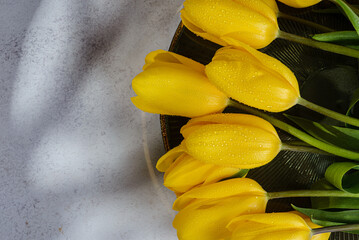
253,78
175,85
228,22
204,212
323,236
186,173
233,140
300,3
231,188
272,4
269,226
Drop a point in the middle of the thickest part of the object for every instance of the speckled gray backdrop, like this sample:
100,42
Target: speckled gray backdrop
72,162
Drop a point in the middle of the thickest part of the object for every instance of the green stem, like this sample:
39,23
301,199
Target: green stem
340,228
298,133
320,45
297,143
306,22
301,148
328,113
311,193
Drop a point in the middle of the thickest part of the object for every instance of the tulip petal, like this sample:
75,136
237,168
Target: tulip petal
323,236
147,106
177,90
253,78
268,226
233,145
269,63
228,118
266,8
187,172
272,4
275,65
217,173
261,223
277,235
300,3
167,159
200,32
208,221
219,18
164,57
257,39
228,188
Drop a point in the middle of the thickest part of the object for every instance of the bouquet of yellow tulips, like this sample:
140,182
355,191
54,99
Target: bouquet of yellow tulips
208,170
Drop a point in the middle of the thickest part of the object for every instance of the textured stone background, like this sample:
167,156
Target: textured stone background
72,162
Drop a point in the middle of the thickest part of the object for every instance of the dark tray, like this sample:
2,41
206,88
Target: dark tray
324,78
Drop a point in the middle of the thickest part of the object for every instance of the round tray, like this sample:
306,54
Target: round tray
324,78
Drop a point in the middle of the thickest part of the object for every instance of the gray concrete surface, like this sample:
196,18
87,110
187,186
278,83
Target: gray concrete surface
72,162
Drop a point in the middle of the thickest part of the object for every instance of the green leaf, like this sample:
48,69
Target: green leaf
344,176
353,102
348,39
346,138
353,18
330,224
344,216
338,37
326,223
331,202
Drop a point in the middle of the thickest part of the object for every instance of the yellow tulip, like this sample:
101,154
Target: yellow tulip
186,173
300,3
227,118
208,222
204,212
175,85
253,22
269,226
228,22
233,140
323,236
239,141
253,78
231,188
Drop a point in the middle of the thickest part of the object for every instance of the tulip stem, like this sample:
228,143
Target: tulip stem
340,228
350,52
328,113
306,22
301,148
311,193
298,133
297,143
